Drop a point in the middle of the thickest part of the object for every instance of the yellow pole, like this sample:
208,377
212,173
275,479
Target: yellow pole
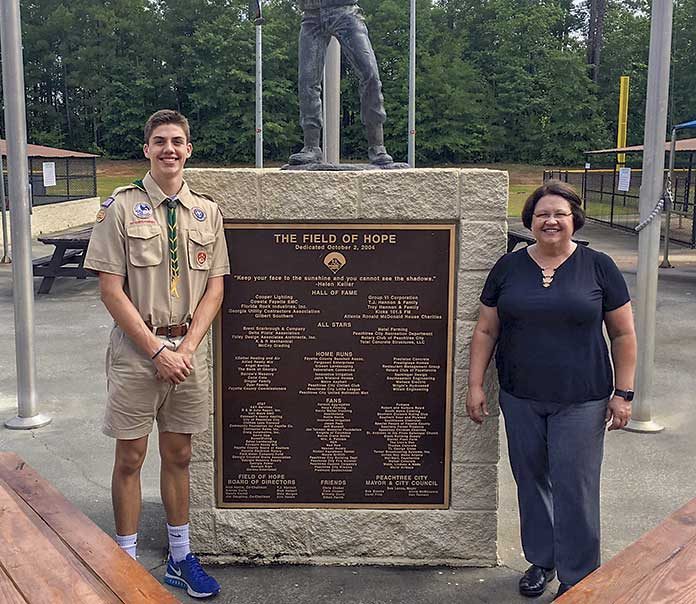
623,119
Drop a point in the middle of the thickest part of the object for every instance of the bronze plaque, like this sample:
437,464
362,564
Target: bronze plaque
334,366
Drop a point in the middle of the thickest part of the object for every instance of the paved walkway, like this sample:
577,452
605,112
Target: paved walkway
646,477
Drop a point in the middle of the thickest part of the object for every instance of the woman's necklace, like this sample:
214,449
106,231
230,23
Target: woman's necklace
549,272
547,275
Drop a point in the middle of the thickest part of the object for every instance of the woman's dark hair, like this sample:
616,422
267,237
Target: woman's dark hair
555,187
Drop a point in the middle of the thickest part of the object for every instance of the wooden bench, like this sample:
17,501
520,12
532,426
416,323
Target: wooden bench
659,568
515,237
67,259
51,553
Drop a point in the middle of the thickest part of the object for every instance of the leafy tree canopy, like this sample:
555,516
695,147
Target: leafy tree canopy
497,80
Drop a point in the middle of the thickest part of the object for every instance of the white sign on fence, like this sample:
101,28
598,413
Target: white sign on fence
624,179
49,174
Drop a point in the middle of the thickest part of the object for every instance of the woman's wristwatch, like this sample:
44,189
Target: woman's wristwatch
625,394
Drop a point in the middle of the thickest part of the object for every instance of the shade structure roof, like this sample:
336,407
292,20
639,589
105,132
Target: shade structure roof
41,151
686,144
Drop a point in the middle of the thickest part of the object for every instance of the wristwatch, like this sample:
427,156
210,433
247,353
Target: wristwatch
625,394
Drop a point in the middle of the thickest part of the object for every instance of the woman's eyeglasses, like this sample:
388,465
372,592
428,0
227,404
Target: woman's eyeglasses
554,215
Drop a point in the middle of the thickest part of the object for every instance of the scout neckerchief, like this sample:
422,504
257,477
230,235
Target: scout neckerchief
172,202
173,245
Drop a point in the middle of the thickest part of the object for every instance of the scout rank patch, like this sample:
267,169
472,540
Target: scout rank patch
198,214
201,257
101,214
142,210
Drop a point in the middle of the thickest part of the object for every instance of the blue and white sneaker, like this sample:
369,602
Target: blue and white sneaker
189,575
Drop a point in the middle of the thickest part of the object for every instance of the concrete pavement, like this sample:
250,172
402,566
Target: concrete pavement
646,477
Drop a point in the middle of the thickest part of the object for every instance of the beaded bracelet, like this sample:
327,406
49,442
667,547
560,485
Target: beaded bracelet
160,350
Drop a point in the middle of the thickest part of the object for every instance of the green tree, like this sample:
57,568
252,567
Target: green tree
496,79
683,106
626,46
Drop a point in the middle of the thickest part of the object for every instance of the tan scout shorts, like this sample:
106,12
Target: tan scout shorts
136,397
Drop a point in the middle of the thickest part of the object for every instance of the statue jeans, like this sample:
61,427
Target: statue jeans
347,24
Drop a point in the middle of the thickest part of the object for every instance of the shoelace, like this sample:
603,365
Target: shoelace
197,571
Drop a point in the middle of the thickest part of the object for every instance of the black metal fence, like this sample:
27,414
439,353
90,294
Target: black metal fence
76,178
604,202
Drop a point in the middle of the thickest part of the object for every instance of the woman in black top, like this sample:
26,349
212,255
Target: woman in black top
544,308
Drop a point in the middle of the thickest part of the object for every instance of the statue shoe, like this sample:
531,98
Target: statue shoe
378,155
308,155
534,580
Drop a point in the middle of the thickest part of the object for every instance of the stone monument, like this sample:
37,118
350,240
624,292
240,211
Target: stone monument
338,432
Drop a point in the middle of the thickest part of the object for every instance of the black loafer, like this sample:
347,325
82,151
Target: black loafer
534,580
562,588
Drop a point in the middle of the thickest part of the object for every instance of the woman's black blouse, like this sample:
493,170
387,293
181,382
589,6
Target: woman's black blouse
551,345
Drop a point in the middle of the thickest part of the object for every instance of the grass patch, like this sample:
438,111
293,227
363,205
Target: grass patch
107,184
603,210
518,195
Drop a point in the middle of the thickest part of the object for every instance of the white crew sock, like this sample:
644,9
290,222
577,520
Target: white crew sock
178,541
128,543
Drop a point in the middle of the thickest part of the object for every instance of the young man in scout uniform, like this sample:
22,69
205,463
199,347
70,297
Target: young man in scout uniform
160,252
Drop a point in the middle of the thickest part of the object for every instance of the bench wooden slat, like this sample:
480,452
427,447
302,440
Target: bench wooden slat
8,590
78,235
38,561
674,582
123,575
63,271
46,260
659,568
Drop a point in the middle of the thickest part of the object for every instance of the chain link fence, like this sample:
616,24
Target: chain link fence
76,178
604,202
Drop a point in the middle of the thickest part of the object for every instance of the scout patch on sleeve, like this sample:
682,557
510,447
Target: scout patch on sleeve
107,202
142,210
201,257
101,214
198,214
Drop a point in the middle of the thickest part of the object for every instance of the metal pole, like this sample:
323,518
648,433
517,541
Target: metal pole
20,222
623,119
332,102
668,201
259,99
5,253
412,88
650,192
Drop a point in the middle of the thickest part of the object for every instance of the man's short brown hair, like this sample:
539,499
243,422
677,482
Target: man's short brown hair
166,116
562,189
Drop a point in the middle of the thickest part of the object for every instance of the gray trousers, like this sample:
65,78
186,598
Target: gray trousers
347,24
556,457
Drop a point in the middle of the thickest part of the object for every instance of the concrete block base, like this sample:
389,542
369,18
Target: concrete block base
465,533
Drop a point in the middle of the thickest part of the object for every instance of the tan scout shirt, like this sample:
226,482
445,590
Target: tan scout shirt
130,239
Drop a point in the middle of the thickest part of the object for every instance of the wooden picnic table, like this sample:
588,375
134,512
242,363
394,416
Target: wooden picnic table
659,568
50,552
67,259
